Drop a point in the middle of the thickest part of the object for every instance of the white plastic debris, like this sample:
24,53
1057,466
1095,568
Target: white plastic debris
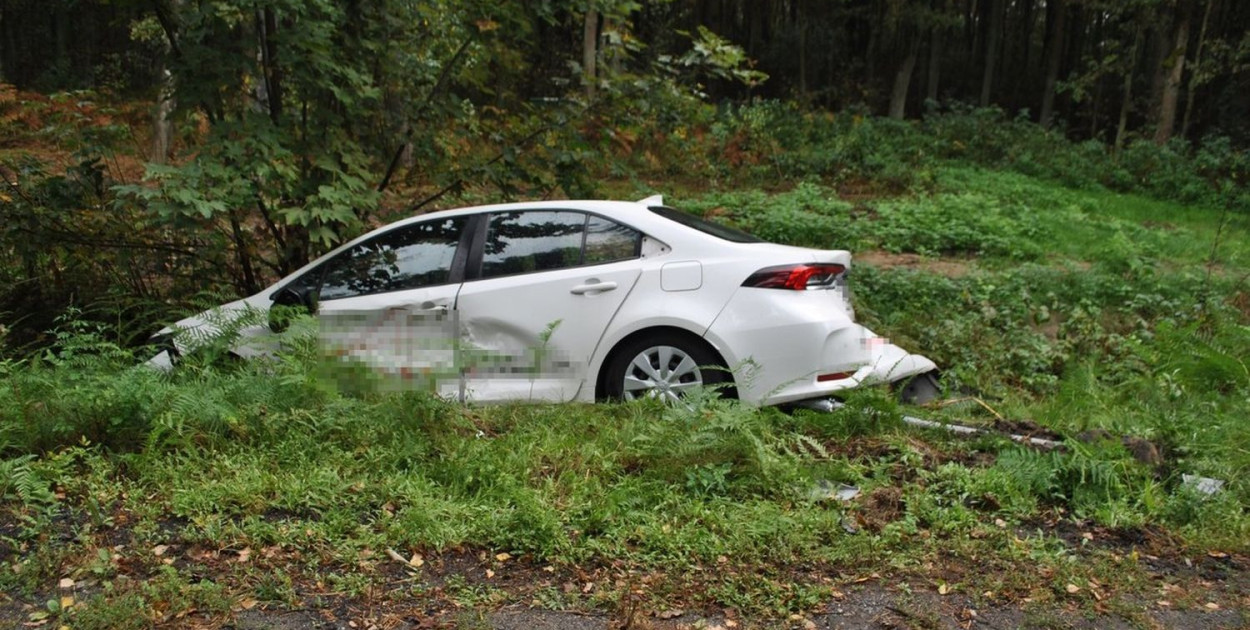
823,490
1205,485
846,493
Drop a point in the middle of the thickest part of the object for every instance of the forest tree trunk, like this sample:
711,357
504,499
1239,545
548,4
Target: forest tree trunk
590,51
1127,103
902,81
273,72
1193,74
1159,48
1172,84
991,50
162,127
802,60
6,44
1053,59
935,64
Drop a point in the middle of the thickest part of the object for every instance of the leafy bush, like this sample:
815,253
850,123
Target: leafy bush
957,224
810,215
86,388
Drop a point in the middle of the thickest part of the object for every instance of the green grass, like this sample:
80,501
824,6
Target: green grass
1081,310
1095,225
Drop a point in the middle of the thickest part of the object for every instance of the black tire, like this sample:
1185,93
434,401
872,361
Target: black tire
627,376
920,389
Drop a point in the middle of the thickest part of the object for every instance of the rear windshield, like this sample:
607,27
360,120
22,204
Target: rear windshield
707,227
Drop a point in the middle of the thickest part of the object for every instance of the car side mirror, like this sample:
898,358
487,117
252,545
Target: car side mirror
287,304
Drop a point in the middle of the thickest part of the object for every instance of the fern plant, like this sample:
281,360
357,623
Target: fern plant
19,483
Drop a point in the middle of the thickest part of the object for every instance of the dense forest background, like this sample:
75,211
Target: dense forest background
1101,67
154,149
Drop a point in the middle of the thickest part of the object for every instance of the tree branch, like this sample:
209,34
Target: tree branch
264,213
429,98
167,25
528,138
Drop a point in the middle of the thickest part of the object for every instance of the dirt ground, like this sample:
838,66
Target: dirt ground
949,267
461,590
871,605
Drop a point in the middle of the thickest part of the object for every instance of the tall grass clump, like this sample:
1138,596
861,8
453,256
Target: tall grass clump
87,388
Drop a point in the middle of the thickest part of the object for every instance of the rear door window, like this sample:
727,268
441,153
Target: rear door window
608,241
545,240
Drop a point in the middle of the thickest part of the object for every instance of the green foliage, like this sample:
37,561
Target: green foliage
1209,173
781,140
966,224
714,56
18,482
772,140
1059,300
723,440
810,215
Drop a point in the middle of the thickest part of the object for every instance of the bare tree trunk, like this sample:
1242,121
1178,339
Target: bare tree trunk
935,64
1127,103
249,283
803,60
831,75
1159,46
1023,57
1095,110
1172,85
1075,52
162,127
755,13
60,31
902,81
1053,59
870,59
5,47
590,49
1193,75
273,73
991,50
972,34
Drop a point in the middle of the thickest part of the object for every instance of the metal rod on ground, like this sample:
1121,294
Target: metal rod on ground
831,405
1203,485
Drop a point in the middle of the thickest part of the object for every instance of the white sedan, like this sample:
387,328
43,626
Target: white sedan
580,300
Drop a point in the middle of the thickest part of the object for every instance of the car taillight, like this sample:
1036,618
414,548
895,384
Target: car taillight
797,277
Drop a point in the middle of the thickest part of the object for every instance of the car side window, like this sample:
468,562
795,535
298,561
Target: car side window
524,242
608,241
411,257
544,240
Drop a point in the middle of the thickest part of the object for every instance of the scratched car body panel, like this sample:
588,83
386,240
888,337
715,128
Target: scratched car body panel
579,300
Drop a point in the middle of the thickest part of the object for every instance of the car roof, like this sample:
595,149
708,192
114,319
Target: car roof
635,213
601,206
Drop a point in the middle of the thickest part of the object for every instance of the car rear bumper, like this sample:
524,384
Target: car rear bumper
887,363
785,346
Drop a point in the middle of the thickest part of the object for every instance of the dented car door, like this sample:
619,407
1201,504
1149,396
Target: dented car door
541,287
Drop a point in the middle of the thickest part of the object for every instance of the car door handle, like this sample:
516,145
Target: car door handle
592,287
434,306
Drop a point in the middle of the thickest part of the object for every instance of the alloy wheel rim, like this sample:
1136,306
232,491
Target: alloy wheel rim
663,372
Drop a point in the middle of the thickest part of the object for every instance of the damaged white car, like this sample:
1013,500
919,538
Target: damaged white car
581,300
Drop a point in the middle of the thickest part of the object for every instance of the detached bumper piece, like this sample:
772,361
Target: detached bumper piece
890,363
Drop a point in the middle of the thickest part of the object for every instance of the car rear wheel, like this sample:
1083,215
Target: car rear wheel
665,366
920,389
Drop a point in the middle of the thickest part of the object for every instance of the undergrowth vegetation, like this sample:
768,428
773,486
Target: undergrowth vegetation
1114,319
